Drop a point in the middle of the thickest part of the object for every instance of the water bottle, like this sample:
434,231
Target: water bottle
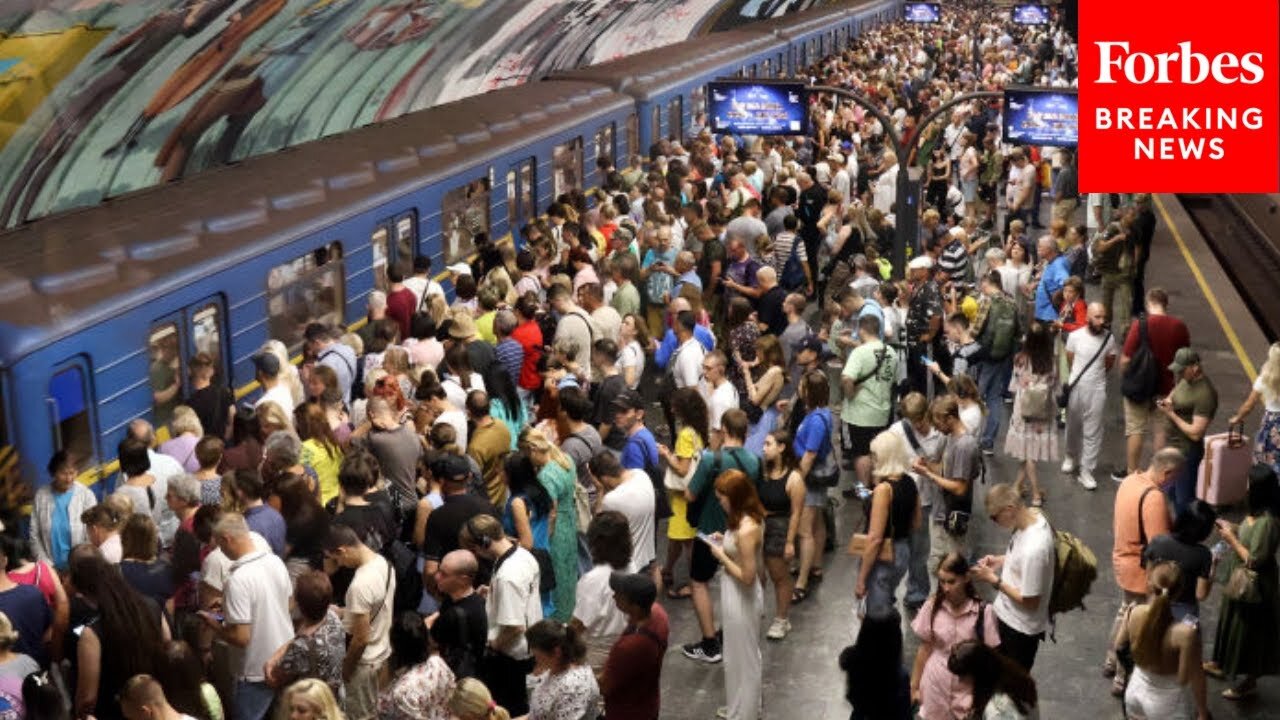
1219,550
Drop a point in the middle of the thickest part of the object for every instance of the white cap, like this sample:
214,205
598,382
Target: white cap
459,269
836,156
922,262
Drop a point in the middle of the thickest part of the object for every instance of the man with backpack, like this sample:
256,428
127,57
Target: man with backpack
999,327
706,514
866,386
1022,577
1149,348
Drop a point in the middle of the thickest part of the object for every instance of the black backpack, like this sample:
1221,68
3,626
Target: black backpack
1142,376
404,563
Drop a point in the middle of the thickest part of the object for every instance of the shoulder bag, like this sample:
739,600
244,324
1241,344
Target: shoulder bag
858,543
1064,397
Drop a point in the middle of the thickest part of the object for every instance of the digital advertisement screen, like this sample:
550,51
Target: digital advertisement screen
1031,14
922,12
758,108
1041,116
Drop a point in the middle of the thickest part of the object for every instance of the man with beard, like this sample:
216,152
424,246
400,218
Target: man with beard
1091,351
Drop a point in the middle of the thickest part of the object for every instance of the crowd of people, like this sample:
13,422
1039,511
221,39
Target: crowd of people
458,509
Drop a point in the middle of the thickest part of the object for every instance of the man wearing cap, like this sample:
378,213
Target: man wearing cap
924,323
641,450
459,506
631,679
1188,410
267,371
480,353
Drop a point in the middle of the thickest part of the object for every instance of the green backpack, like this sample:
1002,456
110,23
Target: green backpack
1074,571
1001,328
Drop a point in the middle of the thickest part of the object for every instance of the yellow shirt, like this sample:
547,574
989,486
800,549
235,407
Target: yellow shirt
316,457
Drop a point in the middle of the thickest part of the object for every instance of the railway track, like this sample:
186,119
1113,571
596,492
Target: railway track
1244,233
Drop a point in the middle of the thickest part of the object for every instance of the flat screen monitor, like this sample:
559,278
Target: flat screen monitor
1031,14
1041,116
922,12
758,107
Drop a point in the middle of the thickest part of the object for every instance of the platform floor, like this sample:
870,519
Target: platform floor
801,679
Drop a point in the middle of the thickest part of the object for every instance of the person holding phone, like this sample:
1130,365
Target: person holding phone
741,598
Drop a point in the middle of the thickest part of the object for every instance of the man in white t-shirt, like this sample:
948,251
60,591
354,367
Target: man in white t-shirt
513,606
1088,381
255,606
631,493
719,393
367,618
268,371
1022,577
594,611
421,284
686,361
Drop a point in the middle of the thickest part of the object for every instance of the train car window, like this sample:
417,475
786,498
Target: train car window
305,290
206,338
520,188
164,372
675,118
407,236
465,214
69,411
655,122
378,246
604,143
766,68
566,165
633,137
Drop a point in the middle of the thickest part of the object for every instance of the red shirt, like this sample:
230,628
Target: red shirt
1166,334
400,306
634,668
529,335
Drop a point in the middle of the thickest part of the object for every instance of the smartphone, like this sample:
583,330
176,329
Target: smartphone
926,359
708,539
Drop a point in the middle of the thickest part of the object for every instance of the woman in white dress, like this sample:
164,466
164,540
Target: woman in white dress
741,598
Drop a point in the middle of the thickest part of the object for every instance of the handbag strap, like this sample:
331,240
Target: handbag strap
1142,524
1101,346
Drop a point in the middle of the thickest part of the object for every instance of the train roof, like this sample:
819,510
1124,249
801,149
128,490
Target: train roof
655,72
73,270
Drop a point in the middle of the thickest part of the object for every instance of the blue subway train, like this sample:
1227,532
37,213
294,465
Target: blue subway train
102,309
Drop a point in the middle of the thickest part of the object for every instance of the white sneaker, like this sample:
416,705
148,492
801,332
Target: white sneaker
1068,465
722,712
1087,481
779,629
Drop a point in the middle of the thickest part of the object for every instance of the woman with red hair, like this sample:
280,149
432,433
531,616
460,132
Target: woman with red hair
741,599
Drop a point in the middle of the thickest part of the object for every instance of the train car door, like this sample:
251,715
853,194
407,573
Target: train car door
521,205
198,330
72,423
393,241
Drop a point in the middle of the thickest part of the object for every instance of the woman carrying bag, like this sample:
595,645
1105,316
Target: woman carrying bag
884,550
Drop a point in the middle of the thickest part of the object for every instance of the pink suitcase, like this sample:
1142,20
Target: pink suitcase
1224,472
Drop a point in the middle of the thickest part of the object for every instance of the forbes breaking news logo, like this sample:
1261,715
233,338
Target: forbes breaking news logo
1175,98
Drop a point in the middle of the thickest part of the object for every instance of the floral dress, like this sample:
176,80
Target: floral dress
569,695
421,693
559,482
1030,439
742,342
317,655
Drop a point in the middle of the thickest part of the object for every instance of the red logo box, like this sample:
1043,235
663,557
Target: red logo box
1180,96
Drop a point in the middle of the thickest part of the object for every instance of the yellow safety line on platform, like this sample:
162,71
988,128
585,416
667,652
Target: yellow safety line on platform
1230,331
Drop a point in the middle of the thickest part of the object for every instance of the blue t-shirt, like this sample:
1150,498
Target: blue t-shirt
60,528
658,283
1055,276
641,451
662,355
814,435
30,615
267,522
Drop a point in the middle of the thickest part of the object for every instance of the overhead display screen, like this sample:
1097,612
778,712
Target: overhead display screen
1031,14
1041,116
922,12
758,108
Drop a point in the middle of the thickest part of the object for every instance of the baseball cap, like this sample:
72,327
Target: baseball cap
451,467
459,268
920,262
628,400
1184,357
267,364
836,156
809,342
637,588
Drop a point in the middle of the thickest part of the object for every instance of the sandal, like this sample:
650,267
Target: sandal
684,592
1212,669
815,575
1240,692
1118,685
798,595
1109,667
1037,500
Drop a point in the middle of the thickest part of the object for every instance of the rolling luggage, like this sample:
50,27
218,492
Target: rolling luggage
1224,472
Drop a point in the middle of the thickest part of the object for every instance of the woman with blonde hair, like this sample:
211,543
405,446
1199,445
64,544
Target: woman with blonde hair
288,371
884,546
309,699
186,430
1266,446
559,477
471,701
1167,676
